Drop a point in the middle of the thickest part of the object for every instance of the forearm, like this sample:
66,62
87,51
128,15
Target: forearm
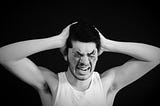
137,50
19,50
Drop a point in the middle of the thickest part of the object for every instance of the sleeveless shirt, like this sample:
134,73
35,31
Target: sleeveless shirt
69,96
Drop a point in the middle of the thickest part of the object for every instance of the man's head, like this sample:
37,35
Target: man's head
82,49
83,32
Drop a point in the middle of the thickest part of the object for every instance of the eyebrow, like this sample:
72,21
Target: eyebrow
92,52
81,54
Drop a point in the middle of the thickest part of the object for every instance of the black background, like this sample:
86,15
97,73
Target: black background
124,21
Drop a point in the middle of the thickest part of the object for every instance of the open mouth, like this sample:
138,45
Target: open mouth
83,71
83,68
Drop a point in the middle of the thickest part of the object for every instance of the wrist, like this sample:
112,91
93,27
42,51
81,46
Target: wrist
108,45
58,40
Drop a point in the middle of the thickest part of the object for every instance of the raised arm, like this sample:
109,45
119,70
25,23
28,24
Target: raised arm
14,57
145,58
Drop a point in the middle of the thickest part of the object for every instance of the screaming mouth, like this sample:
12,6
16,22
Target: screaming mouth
83,69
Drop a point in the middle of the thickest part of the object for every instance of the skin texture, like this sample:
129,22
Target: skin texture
82,59
15,58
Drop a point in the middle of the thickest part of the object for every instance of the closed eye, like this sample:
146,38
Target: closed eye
80,54
77,54
92,53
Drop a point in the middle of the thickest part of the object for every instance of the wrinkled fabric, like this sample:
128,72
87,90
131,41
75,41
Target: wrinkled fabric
68,96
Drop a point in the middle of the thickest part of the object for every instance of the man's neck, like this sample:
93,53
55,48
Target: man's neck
80,85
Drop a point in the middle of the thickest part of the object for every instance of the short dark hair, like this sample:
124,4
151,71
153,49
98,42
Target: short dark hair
83,32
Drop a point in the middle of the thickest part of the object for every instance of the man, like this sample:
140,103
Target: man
80,85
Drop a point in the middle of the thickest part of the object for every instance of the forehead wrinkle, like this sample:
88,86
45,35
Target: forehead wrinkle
88,53
83,47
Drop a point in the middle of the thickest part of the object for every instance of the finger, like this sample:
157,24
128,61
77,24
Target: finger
74,23
71,25
68,27
98,31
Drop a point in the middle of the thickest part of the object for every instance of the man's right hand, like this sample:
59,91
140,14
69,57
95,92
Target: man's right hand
65,34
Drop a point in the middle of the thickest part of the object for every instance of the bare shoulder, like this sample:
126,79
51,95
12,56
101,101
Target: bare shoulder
107,79
48,93
45,71
108,74
50,77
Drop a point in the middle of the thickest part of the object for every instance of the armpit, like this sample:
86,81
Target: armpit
47,88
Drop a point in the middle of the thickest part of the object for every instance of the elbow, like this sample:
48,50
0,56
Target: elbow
5,56
2,56
154,57
158,60
157,57
3,60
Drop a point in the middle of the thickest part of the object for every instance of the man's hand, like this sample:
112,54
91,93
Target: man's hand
104,42
64,36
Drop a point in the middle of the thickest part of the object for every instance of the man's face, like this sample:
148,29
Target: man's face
82,58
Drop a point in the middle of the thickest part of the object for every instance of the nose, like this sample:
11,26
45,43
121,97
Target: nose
84,61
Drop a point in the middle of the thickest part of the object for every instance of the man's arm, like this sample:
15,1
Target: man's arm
14,57
145,58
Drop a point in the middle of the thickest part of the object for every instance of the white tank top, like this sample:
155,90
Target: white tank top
68,96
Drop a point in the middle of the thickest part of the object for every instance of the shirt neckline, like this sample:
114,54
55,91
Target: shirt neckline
85,91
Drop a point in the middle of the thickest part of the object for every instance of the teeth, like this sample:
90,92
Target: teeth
84,69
